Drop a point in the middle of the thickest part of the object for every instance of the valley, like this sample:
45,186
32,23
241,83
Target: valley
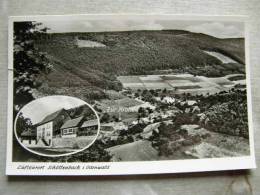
160,95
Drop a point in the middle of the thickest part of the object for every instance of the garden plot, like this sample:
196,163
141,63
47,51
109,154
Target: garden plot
151,78
173,77
129,79
158,85
181,77
134,85
132,82
199,91
183,83
177,83
188,87
124,102
220,81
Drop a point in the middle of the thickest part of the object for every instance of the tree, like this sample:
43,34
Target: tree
164,90
23,124
95,153
148,97
141,112
116,119
28,62
105,118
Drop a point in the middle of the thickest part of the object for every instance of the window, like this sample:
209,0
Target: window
69,131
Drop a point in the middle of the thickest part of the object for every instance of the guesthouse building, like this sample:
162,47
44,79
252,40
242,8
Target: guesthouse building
59,125
49,127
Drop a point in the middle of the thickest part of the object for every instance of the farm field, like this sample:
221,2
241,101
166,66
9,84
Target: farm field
223,58
217,144
136,151
182,83
115,105
214,145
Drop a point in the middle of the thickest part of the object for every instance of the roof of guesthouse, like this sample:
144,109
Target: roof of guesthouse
51,117
72,122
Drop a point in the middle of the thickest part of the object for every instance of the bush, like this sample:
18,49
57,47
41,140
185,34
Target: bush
75,146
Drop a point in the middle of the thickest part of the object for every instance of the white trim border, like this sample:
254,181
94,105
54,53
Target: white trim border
127,168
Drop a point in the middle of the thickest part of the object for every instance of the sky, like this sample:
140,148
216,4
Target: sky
38,109
218,29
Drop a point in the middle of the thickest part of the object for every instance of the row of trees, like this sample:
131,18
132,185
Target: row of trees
225,112
28,62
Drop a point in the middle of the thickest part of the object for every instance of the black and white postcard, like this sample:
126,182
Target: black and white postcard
128,94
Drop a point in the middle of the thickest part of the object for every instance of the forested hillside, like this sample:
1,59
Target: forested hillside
134,52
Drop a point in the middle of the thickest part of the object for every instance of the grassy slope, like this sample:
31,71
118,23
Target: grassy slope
136,151
134,52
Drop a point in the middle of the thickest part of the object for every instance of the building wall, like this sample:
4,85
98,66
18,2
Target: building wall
45,131
69,132
29,143
86,131
59,121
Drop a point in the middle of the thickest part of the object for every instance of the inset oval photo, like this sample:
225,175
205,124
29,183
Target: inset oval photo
56,126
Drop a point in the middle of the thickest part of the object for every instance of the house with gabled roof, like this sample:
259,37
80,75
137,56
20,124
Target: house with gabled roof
28,136
58,125
49,127
71,127
79,126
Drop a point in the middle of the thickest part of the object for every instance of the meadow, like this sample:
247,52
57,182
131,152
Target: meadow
182,83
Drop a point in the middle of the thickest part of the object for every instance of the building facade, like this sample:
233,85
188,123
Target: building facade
44,132
49,127
56,126
79,127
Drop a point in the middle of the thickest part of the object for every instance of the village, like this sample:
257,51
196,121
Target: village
136,116
156,116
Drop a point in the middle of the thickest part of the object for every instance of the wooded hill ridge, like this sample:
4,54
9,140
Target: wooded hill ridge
135,53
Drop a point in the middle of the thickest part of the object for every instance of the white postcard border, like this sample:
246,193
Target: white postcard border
134,167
